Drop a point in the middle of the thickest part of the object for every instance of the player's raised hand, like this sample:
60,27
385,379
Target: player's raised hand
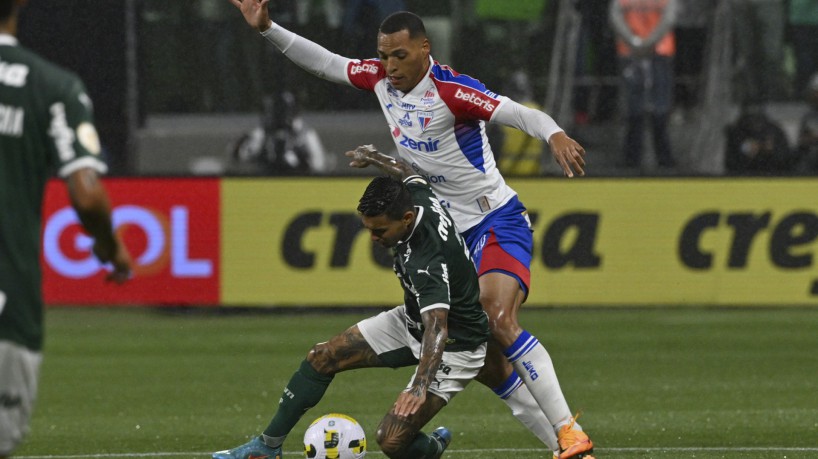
367,155
254,12
568,153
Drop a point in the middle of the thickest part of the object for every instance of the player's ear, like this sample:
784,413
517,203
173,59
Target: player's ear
408,218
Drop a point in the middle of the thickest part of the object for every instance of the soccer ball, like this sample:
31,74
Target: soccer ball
335,436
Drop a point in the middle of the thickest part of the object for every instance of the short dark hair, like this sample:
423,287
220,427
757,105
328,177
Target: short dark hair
6,8
403,20
385,195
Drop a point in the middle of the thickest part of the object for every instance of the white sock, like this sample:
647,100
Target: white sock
517,397
532,362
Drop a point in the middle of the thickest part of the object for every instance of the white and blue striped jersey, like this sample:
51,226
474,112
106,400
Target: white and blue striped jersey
439,128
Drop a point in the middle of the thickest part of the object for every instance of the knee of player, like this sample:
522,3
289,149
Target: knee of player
321,358
390,441
500,320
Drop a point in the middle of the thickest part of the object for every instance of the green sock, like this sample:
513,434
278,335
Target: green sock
303,392
422,447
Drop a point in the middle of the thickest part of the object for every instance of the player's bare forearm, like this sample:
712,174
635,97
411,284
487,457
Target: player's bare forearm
92,206
367,155
90,201
435,334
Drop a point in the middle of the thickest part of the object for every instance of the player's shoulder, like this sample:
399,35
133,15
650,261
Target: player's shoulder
464,95
418,186
45,75
39,63
445,75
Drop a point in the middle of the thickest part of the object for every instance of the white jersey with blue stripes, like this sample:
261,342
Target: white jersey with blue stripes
439,128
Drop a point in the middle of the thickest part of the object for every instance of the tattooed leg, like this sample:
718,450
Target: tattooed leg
400,437
345,351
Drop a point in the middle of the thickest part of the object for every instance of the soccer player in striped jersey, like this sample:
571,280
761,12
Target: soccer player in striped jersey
437,120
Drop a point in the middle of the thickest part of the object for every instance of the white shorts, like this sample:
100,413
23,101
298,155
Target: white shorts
19,371
388,335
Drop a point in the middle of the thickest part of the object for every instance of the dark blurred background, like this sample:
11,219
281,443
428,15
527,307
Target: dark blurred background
186,87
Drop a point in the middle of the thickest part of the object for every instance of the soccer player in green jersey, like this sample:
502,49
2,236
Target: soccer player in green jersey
45,126
441,327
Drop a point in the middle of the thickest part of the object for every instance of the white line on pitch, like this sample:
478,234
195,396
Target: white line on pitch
463,451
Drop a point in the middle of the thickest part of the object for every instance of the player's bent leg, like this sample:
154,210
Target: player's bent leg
346,351
401,438
498,375
502,297
496,369
525,409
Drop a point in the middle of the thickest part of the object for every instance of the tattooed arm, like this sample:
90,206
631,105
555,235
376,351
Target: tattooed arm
366,155
435,334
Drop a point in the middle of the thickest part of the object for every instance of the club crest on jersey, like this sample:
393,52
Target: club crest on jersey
424,119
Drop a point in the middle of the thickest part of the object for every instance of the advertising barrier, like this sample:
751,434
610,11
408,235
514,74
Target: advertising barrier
299,241
171,228
597,242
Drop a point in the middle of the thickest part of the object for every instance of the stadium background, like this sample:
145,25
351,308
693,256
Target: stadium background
631,273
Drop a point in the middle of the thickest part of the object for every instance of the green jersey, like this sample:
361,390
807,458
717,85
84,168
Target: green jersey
436,271
46,125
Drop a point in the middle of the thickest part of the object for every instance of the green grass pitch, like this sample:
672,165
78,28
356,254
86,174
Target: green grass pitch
651,383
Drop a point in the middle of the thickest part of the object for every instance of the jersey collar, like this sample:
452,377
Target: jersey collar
420,88
8,40
418,217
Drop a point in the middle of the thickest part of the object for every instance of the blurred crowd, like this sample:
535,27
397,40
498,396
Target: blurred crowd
640,65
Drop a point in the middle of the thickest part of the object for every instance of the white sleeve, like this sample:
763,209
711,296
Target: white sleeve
308,55
533,122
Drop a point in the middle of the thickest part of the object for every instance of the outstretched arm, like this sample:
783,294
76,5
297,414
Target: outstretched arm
366,155
435,334
306,54
567,152
90,201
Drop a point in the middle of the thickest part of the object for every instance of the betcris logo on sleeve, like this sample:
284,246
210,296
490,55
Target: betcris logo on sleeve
476,98
171,228
364,67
